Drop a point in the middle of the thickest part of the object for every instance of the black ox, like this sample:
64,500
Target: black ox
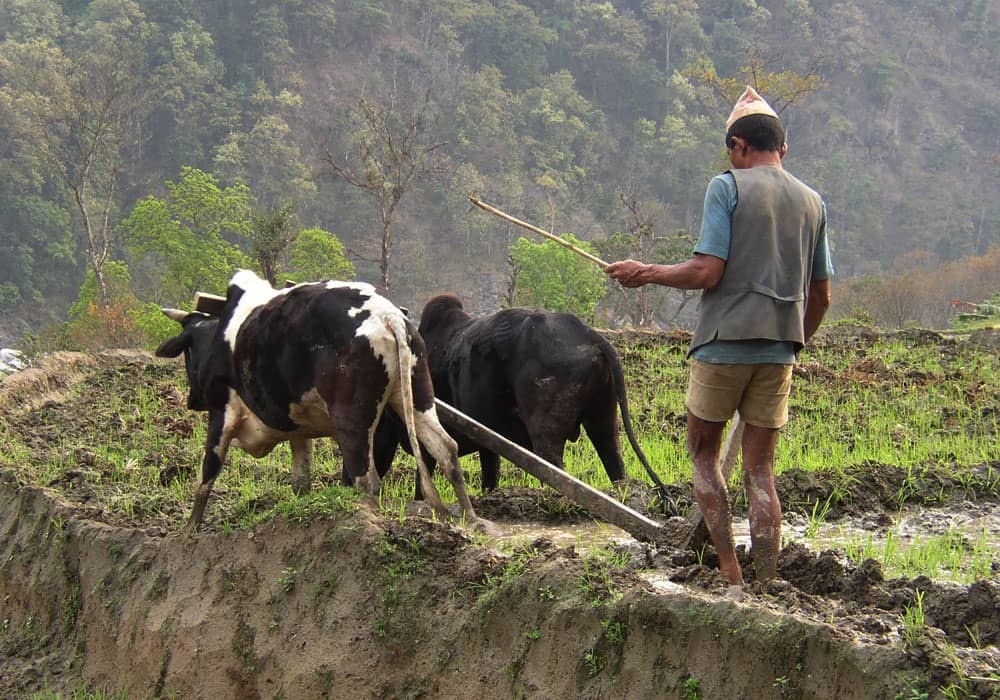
312,360
535,377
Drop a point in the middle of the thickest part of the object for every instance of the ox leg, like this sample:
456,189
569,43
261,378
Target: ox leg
302,455
359,469
216,446
431,464
603,433
445,450
385,442
489,463
352,409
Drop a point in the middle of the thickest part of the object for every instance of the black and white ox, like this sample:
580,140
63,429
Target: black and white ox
311,360
534,377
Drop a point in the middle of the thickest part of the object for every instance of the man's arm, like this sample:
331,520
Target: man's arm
698,272
817,304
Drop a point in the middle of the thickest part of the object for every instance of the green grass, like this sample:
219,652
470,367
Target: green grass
949,555
896,402
920,406
914,625
488,590
596,584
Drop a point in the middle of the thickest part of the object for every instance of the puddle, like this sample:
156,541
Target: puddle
978,526
976,522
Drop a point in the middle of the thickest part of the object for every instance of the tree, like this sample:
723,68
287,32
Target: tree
678,19
641,242
392,153
562,135
79,110
550,276
318,255
187,241
512,38
192,111
117,321
782,87
267,158
271,234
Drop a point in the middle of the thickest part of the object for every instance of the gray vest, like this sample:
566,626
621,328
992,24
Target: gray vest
763,289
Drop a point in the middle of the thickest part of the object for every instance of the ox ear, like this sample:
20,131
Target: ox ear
173,347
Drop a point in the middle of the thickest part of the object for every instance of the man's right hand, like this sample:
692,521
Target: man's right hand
629,273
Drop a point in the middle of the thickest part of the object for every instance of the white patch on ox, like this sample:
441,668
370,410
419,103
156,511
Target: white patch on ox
363,287
248,432
256,293
437,442
380,336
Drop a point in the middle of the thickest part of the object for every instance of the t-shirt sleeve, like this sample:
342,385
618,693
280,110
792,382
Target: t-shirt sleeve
717,217
822,267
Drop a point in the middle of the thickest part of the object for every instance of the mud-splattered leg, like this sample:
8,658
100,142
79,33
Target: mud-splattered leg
704,440
765,508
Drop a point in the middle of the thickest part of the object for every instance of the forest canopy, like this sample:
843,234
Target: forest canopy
147,147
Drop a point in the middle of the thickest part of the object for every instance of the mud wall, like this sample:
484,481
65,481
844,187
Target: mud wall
330,610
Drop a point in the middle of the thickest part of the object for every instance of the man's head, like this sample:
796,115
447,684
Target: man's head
760,132
754,123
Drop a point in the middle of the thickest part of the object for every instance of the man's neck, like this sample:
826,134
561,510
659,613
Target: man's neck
755,158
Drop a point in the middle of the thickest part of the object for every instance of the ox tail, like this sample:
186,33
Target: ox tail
619,379
405,358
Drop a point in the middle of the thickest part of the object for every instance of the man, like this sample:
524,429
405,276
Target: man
764,262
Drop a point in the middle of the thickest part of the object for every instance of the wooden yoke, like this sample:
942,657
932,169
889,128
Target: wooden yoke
210,304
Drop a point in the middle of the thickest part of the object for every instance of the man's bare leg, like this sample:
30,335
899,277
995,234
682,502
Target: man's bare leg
765,508
704,440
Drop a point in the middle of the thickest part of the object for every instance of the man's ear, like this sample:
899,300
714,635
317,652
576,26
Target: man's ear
783,150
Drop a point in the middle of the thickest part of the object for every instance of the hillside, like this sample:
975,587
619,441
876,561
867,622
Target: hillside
373,120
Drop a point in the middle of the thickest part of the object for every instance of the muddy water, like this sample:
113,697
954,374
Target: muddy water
974,521
978,524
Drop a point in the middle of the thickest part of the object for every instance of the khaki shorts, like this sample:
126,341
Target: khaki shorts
758,392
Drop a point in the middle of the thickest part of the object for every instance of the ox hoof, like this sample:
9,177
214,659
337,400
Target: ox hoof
485,527
368,484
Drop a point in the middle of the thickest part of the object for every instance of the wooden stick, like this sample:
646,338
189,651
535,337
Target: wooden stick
598,503
540,232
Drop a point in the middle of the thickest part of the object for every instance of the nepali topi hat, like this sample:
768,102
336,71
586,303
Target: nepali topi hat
750,102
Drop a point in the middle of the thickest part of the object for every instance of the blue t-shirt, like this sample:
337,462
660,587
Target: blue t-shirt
716,233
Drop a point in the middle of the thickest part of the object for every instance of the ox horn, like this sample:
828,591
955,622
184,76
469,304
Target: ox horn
175,314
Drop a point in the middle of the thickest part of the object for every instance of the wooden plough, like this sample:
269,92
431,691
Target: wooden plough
598,503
